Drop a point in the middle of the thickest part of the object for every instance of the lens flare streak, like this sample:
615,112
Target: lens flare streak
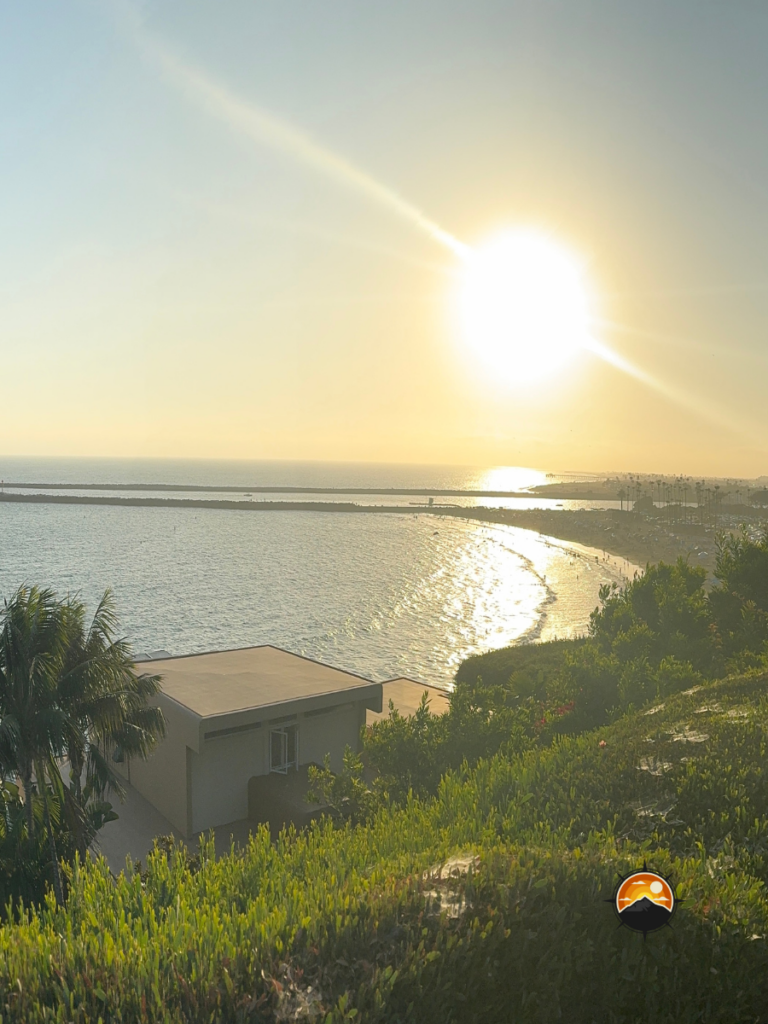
268,130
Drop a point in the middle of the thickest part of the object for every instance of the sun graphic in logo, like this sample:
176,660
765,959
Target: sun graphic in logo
644,901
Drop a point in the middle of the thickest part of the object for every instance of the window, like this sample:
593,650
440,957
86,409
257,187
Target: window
284,749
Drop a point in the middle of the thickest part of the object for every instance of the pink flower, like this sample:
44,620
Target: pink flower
602,743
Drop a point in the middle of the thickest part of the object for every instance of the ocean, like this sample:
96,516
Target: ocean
383,595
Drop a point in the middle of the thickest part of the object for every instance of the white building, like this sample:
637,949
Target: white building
235,716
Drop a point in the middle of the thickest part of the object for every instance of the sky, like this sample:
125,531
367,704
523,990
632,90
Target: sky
227,229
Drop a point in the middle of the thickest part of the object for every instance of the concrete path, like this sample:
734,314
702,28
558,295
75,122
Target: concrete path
134,831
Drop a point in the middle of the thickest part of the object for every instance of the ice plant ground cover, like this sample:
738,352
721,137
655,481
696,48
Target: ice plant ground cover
356,923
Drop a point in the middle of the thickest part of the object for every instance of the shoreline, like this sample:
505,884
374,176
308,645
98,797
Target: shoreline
628,536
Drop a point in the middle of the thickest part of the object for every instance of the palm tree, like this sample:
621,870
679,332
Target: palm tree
32,644
68,690
21,877
45,769
105,702
31,649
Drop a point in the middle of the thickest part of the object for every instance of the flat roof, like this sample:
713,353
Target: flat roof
406,695
223,682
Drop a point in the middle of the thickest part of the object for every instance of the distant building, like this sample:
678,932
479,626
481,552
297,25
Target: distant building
235,718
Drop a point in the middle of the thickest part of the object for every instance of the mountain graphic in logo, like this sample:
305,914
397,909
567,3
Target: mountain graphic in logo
644,901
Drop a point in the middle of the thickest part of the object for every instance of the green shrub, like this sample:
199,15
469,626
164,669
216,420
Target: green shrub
524,669
740,600
411,755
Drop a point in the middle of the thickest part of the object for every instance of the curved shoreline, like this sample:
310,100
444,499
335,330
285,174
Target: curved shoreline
587,528
585,554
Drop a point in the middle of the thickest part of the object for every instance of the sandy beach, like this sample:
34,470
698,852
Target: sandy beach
625,535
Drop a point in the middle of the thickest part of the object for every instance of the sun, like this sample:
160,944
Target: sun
524,305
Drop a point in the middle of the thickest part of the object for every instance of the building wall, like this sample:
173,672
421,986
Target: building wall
200,790
220,772
329,733
162,779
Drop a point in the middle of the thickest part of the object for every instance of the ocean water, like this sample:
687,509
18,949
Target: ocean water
243,472
387,595
244,475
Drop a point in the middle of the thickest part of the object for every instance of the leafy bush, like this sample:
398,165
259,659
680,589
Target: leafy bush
347,795
651,638
740,601
411,755
524,670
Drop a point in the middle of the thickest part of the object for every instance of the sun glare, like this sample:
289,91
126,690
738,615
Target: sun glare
524,305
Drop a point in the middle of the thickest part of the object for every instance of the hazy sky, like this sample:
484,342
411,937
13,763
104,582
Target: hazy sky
181,277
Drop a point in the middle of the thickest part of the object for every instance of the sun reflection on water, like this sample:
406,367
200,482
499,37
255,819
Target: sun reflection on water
510,478
381,595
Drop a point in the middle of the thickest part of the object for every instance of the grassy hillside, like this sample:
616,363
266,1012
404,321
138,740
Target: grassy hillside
359,923
524,668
